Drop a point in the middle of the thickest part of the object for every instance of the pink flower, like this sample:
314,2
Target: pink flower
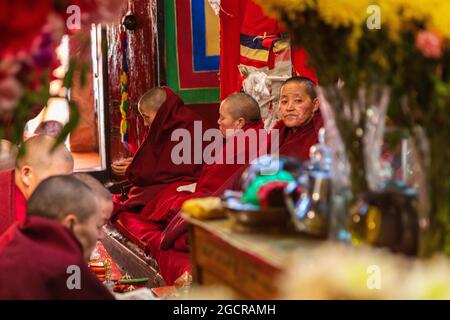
429,44
20,22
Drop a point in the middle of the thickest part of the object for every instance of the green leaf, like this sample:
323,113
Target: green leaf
83,73
74,119
68,78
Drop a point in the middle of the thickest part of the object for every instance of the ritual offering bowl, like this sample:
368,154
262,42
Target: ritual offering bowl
252,216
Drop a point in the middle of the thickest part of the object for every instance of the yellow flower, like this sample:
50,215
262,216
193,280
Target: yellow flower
347,13
276,8
124,78
440,22
396,15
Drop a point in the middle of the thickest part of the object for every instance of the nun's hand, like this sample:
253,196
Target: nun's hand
120,167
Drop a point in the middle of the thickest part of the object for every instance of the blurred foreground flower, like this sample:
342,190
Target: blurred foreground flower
429,44
336,271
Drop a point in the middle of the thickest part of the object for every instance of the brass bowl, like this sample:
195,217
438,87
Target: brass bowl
270,217
254,216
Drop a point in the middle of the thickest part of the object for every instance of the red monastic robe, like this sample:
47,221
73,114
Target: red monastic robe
170,245
152,168
297,143
35,257
12,201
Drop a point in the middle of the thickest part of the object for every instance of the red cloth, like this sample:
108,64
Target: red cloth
21,205
137,229
152,164
10,199
173,264
175,235
297,143
34,263
213,177
257,23
300,64
231,17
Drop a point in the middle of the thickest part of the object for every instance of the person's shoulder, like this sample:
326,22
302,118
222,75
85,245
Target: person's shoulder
278,125
6,175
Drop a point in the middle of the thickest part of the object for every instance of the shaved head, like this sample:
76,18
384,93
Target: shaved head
71,203
153,99
58,196
40,161
99,189
243,105
150,103
39,153
308,85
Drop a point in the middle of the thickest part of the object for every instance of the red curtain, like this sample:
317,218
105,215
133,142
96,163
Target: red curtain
246,17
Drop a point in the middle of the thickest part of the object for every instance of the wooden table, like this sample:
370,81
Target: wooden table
249,263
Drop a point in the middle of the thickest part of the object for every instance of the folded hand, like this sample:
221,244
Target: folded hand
119,167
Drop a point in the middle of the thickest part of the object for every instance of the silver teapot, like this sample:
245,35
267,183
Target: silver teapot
309,198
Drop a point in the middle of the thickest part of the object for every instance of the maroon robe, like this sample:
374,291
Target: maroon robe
169,245
34,260
12,201
297,143
152,168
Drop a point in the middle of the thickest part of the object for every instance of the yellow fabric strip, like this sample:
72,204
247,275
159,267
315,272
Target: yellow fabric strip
255,54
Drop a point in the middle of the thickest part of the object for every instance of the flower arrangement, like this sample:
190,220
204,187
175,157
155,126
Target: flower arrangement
31,31
383,57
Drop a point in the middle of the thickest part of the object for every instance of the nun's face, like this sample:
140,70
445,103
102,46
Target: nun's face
296,106
147,114
227,123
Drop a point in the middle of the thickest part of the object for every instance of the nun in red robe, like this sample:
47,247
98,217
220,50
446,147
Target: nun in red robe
169,245
152,169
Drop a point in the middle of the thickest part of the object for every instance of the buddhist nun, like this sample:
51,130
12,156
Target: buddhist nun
300,117
152,169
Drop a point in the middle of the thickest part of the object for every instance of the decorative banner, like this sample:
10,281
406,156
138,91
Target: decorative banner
124,104
193,50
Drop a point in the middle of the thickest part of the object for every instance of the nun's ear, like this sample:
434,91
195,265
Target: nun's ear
316,103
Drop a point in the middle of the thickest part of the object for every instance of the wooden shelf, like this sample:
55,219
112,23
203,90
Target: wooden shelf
247,262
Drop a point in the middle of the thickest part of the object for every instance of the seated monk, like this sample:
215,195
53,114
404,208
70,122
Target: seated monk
300,117
151,169
237,112
38,163
45,256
